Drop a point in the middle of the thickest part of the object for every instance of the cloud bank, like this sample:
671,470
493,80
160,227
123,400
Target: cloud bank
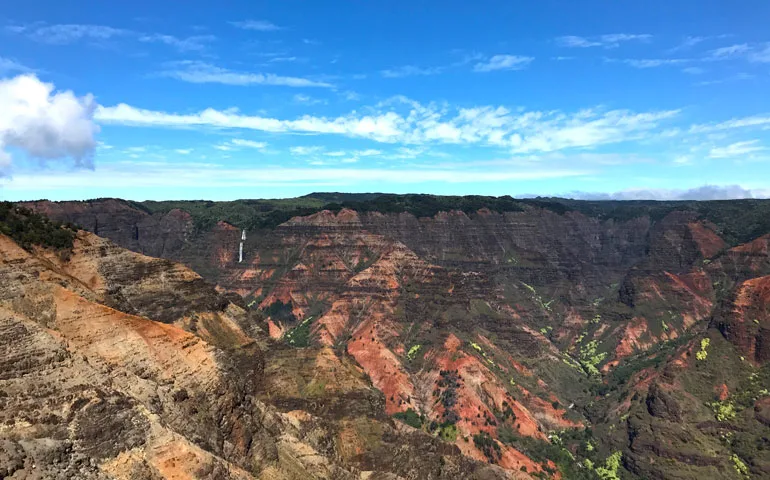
706,192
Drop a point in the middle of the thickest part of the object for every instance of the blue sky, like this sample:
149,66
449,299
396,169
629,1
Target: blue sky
152,100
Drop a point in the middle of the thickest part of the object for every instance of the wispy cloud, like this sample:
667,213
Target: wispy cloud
643,63
691,41
239,142
200,72
189,44
409,122
308,100
761,55
732,78
754,53
257,25
688,43
68,33
286,59
410,71
65,34
612,40
734,123
694,70
8,65
503,62
737,149
732,51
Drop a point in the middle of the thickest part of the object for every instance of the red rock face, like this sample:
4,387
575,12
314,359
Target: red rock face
707,240
745,320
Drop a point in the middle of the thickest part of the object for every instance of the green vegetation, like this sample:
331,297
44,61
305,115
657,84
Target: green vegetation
482,352
410,417
248,214
703,352
723,411
537,298
29,229
280,311
488,446
430,205
448,432
609,471
740,466
410,355
589,357
737,221
299,336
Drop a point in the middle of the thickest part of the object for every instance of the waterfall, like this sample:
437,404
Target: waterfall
240,250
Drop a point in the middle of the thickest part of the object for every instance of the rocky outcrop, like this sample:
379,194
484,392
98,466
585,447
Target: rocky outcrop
92,388
744,319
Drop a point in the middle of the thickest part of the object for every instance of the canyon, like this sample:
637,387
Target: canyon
374,336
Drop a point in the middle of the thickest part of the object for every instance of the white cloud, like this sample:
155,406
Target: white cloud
606,41
705,192
183,151
368,153
762,55
650,62
69,33
44,123
409,122
257,25
189,44
8,65
285,59
733,78
308,100
688,43
734,123
573,41
65,34
731,51
694,70
238,142
503,62
306,150
410,71
200,72
737,149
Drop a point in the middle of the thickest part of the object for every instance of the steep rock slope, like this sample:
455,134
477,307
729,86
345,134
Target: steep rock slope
102,377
